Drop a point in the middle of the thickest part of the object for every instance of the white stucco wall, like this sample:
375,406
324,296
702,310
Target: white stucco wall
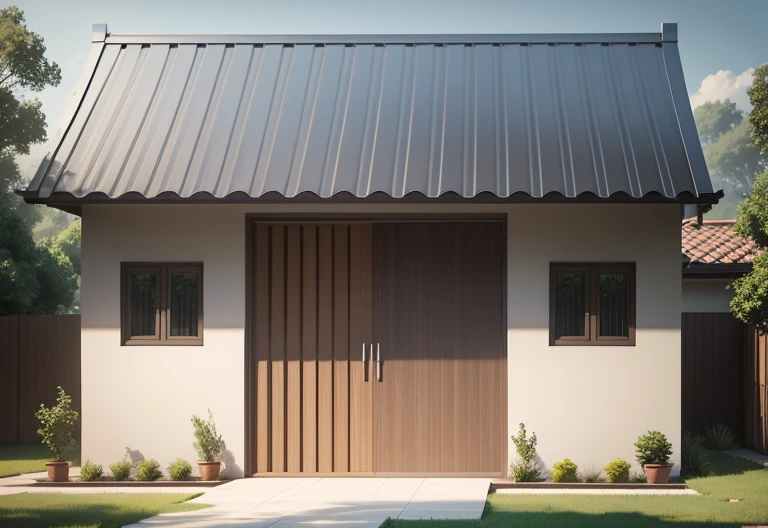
706,295
590,404
585,403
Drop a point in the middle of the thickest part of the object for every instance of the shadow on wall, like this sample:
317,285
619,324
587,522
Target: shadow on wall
134,455
230,469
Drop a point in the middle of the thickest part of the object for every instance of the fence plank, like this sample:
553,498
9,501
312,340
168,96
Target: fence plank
49,356
713,348
9,380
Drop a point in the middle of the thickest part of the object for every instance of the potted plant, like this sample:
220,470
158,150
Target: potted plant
56,425
653,452
209,445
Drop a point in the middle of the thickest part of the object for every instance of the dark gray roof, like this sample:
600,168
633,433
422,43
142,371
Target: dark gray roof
533,116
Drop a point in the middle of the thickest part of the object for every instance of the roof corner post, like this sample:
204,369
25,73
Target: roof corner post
99,33
669,31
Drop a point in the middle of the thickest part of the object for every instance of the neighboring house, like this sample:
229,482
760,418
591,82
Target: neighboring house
713,255
379,254
723,360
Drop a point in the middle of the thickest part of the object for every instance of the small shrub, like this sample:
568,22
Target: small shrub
653,448
618,471
524,469
637,478
56,425
121,470
591,475
180,469
209,443
90,471
696,461
565,471
148,470
720,437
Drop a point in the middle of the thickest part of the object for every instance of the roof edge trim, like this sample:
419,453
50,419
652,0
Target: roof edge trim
489,38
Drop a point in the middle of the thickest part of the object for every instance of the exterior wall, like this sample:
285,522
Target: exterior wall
590,404
707,295
585,403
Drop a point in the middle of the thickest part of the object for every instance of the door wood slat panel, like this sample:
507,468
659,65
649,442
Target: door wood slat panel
306,372
309,348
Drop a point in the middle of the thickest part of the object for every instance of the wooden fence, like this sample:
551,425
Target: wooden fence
37,353
724,377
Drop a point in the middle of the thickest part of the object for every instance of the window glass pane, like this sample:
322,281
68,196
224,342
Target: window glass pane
570,306
614,305
143,304
183,304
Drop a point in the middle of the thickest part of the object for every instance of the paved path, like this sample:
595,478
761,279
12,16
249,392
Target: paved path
749,455
295,502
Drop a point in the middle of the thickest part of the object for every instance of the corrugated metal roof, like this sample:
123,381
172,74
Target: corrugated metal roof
595,115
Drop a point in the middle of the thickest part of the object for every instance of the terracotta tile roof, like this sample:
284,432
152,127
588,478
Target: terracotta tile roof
714,242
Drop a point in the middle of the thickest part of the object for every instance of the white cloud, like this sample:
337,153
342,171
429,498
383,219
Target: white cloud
725,85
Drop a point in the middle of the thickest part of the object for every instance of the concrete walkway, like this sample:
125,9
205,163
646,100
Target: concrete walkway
758,458
294,502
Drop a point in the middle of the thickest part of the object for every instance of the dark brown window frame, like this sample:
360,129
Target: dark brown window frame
163,271
592,311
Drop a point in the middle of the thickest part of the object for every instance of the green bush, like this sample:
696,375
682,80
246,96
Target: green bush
148,470
637,478
592,475
618,471
90,471
209,443
121,470
565,471
720,437
653,448
696,461
525,469
180,469
56,425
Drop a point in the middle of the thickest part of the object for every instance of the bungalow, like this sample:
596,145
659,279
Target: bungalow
377,254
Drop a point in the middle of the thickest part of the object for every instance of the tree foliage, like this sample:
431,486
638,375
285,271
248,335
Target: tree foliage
758,117
68,241
34,279
715,118
750,292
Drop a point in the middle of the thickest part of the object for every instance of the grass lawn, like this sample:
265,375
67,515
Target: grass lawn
101,511
28,459
734,478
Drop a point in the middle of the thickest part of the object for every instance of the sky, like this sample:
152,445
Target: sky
720,41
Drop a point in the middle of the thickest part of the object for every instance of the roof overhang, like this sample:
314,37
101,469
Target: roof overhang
570,118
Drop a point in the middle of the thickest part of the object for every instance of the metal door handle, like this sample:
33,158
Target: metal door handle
365,365
378,361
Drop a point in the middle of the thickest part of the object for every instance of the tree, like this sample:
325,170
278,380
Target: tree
732,158
715,118
33,278
758,118
68,241
750,292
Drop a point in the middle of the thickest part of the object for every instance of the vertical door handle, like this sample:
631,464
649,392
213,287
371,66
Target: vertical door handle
378,361
365,365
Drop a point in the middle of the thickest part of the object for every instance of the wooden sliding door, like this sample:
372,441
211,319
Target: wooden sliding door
311,313
428,297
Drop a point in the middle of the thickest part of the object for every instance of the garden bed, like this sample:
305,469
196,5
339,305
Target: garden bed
76,483
497,484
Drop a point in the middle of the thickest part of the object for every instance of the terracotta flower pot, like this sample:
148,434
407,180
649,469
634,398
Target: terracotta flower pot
57,471
657,473
209,470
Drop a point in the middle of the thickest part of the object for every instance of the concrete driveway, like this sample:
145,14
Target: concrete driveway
284,502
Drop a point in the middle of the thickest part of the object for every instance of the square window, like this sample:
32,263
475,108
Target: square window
592,304
162,304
